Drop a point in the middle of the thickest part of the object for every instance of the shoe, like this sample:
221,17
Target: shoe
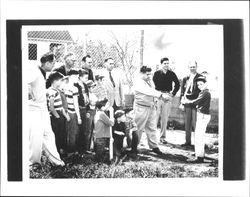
163,141
186,145
196,160
133,155
157,151
35,166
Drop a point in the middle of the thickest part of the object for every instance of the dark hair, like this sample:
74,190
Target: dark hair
100,104
107,59
127,110
73,72
145,69
201,78
48,57
85,57
54,75
83,72
164,59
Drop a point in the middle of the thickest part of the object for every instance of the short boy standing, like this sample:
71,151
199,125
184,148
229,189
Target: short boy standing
83,101
57,112
102,132
90,115
202,104
131,132
72,128
119,130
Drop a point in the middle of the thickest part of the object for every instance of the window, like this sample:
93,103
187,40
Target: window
32,51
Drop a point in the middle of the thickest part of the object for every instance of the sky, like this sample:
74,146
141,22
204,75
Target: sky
180,43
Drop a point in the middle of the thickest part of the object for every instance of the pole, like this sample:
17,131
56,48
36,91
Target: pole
141,48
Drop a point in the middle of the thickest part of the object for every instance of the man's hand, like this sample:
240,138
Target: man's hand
166,97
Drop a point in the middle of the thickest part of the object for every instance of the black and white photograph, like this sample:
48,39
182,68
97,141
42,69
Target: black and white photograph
123,101
107,103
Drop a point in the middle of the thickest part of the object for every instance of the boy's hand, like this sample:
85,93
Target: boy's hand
79,120
67,117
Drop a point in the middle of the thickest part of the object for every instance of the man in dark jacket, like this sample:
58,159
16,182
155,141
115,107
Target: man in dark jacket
190,91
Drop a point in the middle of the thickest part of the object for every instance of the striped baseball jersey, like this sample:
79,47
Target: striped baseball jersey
55,95
71,91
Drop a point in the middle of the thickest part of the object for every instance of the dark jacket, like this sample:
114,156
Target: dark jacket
80,97
203,102
191,94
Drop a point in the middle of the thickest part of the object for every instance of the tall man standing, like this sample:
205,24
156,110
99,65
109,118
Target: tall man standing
163,79
145,105
190,91
113,85
41,136
87,65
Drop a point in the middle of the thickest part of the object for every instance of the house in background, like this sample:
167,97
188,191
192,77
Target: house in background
41,42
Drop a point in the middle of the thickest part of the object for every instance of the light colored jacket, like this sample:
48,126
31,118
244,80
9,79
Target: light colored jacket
114,94
102,125
144,94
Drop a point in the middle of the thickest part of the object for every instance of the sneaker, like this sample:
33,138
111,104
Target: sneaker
196,160
157,151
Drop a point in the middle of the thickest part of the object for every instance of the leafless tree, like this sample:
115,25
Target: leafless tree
126,53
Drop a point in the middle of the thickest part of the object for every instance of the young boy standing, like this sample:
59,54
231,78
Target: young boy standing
83,101
102,134
72,128
57,112
131,132
202,104
119,132
90,115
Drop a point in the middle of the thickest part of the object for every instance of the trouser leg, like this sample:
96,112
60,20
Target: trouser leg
166,108
135,141
82,130
118,145
159,112
58,128
141,116
89,129
72,130
49,144
151,129
35,136
188,123
201,125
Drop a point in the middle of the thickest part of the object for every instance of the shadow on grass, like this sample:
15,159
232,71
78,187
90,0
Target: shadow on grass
149,155
208,149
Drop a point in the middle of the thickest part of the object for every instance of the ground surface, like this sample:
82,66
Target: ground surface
148,165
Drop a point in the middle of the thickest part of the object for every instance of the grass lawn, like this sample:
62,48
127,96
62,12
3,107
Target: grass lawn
148,165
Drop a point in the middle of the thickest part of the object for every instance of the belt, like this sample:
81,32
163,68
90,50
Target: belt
165,91
82,107
142,105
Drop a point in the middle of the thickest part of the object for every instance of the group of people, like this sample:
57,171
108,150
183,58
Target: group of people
74,112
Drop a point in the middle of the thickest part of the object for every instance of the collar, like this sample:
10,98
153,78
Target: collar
164,71
43,72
